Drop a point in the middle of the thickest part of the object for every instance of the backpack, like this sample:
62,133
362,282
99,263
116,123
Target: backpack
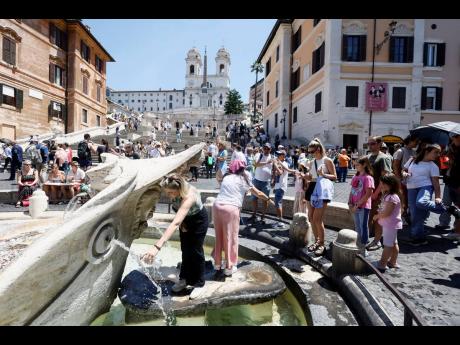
83,151
34,155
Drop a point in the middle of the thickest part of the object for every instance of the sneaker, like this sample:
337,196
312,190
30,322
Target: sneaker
366,253
228,272
454,210
397,266
179,286
218,276
197,292
418,242
279,225
452,236
374,245
376,264
442,227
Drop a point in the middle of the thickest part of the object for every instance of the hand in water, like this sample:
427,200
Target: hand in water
149,257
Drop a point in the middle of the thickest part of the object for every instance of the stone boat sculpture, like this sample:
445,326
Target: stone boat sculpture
71,273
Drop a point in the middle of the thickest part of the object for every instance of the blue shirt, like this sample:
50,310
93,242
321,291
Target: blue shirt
222,165
16,153
44,152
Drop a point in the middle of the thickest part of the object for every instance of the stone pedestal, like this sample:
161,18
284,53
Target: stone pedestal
300,232
208,206
38,203
344,251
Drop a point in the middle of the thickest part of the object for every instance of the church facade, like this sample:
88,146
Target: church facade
203,91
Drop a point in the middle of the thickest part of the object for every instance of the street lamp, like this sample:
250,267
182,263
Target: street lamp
284,124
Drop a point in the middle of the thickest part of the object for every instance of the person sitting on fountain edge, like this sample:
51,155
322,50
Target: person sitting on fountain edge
192,220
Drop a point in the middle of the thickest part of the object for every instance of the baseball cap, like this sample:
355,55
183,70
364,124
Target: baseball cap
281,152
267,145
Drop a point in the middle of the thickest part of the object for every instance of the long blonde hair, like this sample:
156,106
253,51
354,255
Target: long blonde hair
317,143
176,182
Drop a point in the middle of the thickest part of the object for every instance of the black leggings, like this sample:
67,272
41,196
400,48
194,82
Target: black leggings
194,171
191,244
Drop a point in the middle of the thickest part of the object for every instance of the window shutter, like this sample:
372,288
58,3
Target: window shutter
6,50
321,51
425,54
438,98
423,100
362,47
344,47
392,49
81,47
52,33
410,49
64,111
1,94
19,95
12,53
441,58
51,73
64,43
64,78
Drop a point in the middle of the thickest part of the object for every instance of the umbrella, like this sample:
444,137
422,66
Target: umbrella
447,126
435,135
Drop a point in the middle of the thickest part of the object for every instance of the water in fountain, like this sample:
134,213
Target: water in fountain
167,314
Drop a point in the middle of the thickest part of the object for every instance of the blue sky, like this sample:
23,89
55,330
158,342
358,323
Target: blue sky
151,53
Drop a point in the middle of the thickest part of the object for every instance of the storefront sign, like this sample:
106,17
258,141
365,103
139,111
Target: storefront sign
376,96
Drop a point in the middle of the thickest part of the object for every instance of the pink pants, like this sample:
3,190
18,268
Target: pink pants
226,225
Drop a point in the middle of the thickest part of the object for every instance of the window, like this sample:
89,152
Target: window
434,54
84,116
56,109
402,49
294,118
170,105
268,67
85,85
295,79
138,109
85,51
318,58
192,69
138,101
431,98
276,89
276,120
296,39
57,75
277,53
354,48
170,97
318,102
315,22
98,93
221,68
99,64
58,37
132,100
399,98
164,108
11,96
9,51
267,125
268,98
98,120
351,96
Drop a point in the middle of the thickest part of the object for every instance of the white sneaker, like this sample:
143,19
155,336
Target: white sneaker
229,272
179,286
197,292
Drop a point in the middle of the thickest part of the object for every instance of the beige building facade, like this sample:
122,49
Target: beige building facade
323,66
52,77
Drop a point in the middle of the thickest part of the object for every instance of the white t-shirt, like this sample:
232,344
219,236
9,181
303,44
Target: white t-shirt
283,180
233,189
421,174
238,155
213,149
263,173
78,176
155,153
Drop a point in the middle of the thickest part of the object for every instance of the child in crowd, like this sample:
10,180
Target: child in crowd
389,217
359,201
300,204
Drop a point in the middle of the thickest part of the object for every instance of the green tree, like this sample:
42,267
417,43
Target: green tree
234,104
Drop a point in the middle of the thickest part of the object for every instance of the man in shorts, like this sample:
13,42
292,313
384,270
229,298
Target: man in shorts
263,163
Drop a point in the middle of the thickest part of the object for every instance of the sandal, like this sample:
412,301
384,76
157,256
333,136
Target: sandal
313,247
320,250
18,204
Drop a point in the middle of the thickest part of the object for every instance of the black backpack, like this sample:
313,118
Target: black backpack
83,151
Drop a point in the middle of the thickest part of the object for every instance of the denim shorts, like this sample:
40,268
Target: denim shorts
262,186
279,193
